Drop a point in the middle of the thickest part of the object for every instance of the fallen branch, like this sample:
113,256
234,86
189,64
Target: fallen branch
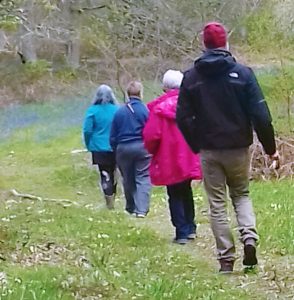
284,142
33,197
259,163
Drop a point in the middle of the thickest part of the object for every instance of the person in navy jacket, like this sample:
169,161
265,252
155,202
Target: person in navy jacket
132,158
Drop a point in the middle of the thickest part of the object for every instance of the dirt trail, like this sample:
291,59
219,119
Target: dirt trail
275,276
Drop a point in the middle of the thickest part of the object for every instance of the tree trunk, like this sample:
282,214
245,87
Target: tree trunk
27,47
3,41
73,53
73,44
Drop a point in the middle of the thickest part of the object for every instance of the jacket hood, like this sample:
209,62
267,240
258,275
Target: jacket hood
214,62
165,105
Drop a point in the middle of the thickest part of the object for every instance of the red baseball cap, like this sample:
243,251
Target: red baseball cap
214,35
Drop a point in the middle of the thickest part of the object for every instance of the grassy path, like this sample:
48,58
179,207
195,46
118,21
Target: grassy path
274,278
79,250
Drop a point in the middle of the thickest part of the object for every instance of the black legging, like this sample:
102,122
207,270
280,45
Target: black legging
107,176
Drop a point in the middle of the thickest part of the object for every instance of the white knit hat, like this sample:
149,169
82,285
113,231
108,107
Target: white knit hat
172,79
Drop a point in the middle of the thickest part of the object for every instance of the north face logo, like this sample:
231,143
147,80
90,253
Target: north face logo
234,75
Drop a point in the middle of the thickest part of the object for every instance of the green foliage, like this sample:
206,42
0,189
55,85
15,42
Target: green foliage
261,31
9,23
265,35
278,85
35,70
66,74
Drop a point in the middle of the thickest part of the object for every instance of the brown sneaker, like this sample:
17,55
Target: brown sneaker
227,266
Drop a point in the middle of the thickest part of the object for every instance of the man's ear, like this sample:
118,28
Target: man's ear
202,43
228,46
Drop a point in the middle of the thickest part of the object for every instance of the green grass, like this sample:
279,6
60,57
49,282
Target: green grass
106,255
52,251
275,215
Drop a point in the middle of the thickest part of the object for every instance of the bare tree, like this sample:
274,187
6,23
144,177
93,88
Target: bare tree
156,33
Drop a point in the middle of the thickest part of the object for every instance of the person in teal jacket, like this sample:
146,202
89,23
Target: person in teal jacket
96,131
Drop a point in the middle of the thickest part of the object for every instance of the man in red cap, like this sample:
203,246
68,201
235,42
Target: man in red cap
220,102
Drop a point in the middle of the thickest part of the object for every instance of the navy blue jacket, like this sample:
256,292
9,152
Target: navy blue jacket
219,104
128,122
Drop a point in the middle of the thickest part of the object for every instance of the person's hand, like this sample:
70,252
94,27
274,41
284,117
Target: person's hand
275,158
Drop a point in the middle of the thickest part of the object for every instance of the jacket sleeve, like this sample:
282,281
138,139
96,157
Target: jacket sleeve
88,128
146,113
113,134
152,133
260,115
185,118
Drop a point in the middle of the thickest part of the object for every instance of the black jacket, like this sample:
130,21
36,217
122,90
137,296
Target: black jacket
219,102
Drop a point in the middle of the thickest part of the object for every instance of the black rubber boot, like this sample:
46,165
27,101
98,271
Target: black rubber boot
250,259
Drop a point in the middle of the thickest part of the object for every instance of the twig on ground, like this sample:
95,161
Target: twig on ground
25,196
33,197
76,151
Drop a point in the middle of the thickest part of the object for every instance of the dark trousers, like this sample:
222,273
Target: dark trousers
182,211
107,177
133,161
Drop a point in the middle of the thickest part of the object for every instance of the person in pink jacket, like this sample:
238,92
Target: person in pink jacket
173,163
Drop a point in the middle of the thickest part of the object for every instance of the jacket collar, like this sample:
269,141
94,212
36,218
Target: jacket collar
134,98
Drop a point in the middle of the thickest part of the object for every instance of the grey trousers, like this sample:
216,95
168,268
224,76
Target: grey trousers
222,169
133,161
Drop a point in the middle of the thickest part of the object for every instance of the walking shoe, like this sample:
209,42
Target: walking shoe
227,266
132,214
250,259
191,236
180,241
140,216
109,201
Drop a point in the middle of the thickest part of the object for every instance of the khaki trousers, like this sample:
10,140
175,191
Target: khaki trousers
224,169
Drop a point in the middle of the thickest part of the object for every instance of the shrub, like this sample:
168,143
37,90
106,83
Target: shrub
278,87
9,23
35,70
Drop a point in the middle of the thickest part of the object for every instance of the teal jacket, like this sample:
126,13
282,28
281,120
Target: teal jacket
97,126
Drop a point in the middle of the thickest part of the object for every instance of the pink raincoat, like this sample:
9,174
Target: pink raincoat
173,161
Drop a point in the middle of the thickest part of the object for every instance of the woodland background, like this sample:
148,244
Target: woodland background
57,240
47,45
